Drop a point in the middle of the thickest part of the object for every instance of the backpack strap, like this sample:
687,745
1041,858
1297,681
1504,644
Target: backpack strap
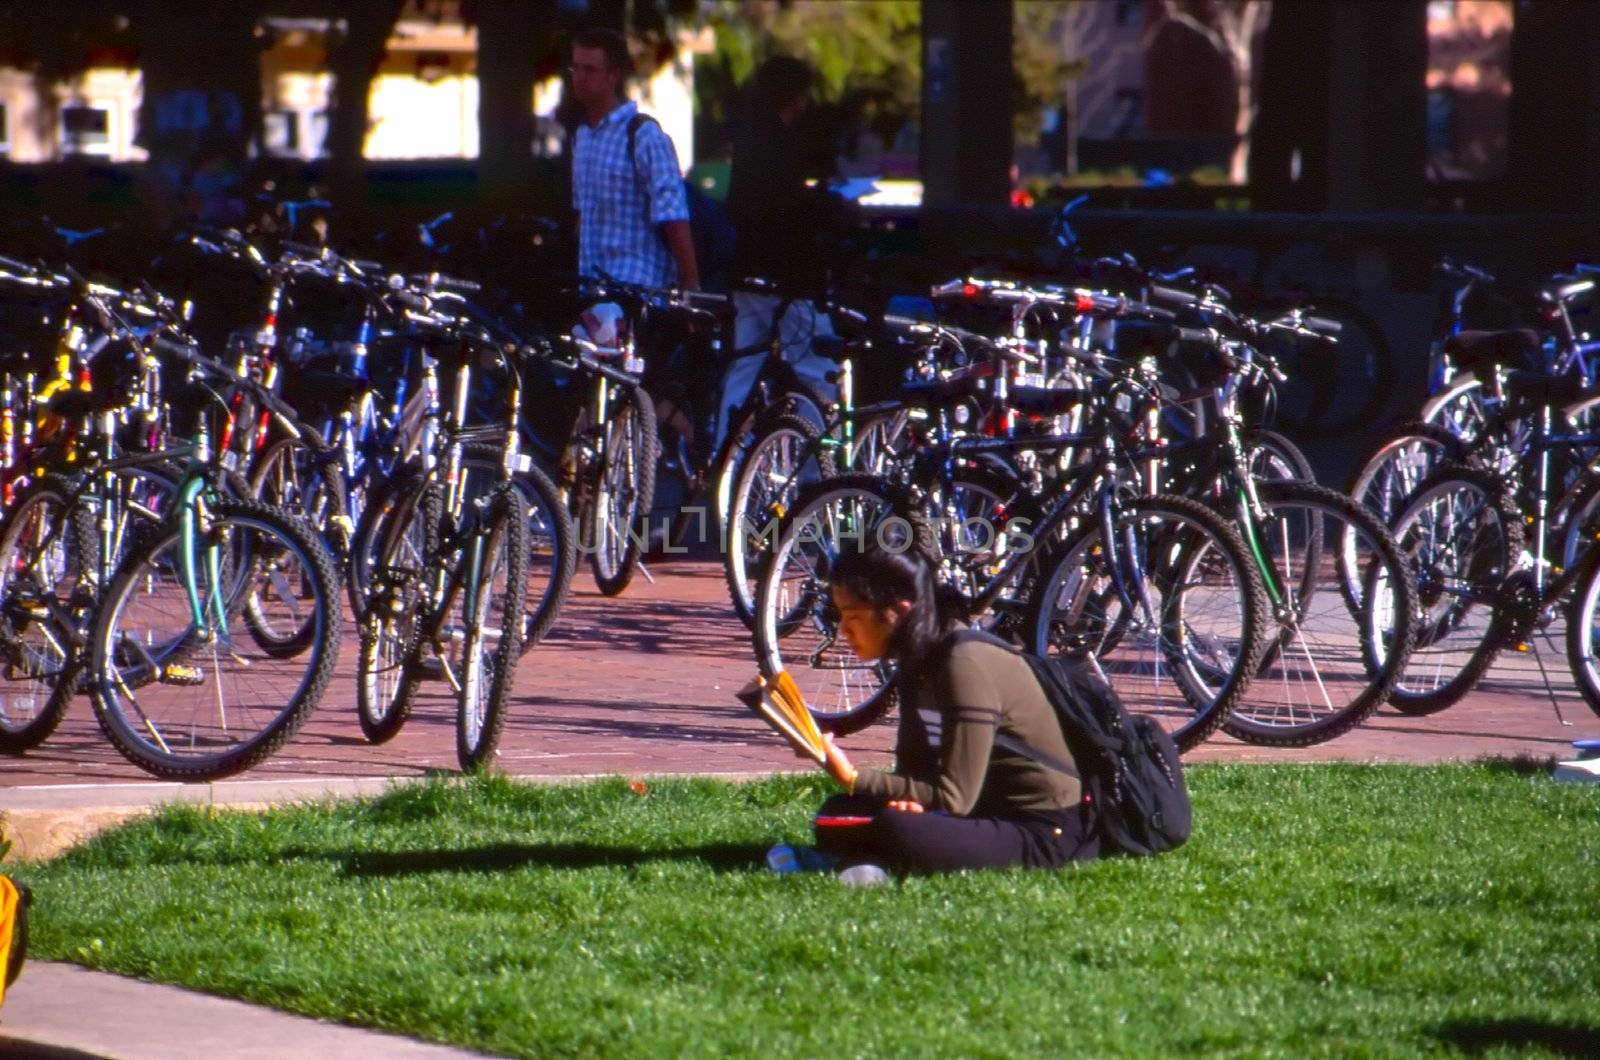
635,123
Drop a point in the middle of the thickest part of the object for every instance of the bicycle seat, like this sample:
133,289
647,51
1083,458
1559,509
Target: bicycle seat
935,392
1542,388
837,348
1046,401
73,404
329,383
1515,348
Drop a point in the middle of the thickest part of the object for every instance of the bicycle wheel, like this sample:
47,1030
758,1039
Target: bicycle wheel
1273,458
46,559
1461,536
796,625
1388,478
387,500
1184,639
290,478
306,485
1577,521
552,555
623,489
493,588
404,533
785,457
1344,601
1583,636
880,442
189,699
1461,408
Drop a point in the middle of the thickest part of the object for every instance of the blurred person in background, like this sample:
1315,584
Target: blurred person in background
782,226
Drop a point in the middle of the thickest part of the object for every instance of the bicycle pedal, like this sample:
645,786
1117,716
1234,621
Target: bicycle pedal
431,669
183,675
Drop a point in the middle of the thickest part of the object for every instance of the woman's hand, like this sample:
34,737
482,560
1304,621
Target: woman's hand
837,763
906,805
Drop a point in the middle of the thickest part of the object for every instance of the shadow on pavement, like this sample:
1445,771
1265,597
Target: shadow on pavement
1481,1036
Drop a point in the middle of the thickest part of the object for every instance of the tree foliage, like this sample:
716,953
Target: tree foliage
867,54
1040,65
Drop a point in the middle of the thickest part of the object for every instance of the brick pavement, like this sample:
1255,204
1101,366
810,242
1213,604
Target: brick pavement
644,684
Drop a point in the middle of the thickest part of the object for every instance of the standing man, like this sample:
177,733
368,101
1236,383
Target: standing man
633,216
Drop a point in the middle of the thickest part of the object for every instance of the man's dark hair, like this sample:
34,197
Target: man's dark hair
780,79
612,43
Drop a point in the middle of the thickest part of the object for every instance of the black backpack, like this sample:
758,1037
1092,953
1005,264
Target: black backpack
1128,765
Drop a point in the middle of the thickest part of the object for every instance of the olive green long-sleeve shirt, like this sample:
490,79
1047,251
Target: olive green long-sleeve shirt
979,690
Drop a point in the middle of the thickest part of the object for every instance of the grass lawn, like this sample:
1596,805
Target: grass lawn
1318,909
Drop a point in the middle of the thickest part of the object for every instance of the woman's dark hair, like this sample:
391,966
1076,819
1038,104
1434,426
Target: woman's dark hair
882,577
612,43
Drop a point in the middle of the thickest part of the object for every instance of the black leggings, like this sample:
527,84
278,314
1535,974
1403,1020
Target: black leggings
916,843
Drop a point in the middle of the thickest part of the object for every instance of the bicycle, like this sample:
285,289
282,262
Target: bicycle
447,584
1157,592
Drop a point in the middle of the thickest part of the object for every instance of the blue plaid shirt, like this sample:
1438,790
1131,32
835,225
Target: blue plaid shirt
620,206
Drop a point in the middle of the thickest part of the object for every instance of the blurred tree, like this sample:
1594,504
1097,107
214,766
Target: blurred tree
1040,66
867,55
868,59
1232,28
353,60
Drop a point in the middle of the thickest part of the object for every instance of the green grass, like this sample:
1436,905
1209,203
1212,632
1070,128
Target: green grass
1317,910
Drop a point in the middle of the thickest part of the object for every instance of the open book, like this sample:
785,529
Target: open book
778,703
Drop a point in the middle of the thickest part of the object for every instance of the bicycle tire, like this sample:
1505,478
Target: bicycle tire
638,448
788,602
504,533
128,734
303,492
1384,481
38,680
1274,458
783,438
552,557
1582,643
1418,693
405,535
401,488
1075,568
1363,551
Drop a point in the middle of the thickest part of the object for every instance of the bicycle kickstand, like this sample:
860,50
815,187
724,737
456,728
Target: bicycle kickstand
1550,689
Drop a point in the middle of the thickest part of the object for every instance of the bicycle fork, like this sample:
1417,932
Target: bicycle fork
190,516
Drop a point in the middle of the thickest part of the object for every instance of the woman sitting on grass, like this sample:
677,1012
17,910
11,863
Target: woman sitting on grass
956,799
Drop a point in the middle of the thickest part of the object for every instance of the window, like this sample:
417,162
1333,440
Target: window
280,132
85,129
1469,88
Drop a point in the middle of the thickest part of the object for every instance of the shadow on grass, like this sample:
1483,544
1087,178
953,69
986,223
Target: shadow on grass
22,1049
721,857
1480,1036
1523,765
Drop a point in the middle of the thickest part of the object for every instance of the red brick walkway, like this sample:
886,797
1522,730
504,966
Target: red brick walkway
644,684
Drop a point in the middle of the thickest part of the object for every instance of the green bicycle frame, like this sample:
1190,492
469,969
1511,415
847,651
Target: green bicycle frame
188,511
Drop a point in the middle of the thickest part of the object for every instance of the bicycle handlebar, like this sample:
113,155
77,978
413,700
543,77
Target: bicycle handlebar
189,353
